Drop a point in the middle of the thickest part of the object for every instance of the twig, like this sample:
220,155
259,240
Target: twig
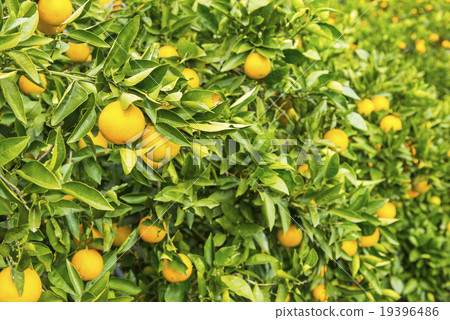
16,190
45,153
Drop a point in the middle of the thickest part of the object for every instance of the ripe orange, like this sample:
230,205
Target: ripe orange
365,107
32,287
192,77
380,103
434,37
402,45
291,238
339,138
89,264
257,66
78,52
49,29
323,270
172,275
122,233
319,293
421,186
121,126
54,12
390,122
370,241
95,235
116,4
412,193
387,211
350,247
167,52
27,87
163,150
98,140
152,234
298,42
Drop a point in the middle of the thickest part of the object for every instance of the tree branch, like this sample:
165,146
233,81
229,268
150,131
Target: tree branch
16,190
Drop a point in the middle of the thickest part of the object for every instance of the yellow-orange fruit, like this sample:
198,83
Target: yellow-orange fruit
151,234
291,238
172,275
256,66
387,211
27,87
350,247
339,138
88,263
370,241
32,287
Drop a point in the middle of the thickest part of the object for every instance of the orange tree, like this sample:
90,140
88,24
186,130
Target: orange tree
214,151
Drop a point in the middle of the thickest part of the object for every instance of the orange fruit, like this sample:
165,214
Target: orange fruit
390,122
27,87
152,234
116,4
387,211
291,238
257,66
323,270
32,287
95,235
434,37
365,107
402,45
54,12
172,275
122,233
121,126
298,42
192,77
319,293
49,29
78,52
370,241
163,150
350,247
167,52
412,193
421,186
380,103
89,264
98,140
339,138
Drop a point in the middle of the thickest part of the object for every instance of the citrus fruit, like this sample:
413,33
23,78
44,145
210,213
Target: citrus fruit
121,126
390,122
27,87
78,52
151,234
319,293
49,29
421,186
172,275
122,233
435,200
339,138
163,150
388,211
192,77
365,107
380,103
116,4
323,270
402,45
32,287
167,52
298,42
350,247
291,114
89,264
412,193
257,66
95,235
370,241
291,238
54,12
434,37
98,140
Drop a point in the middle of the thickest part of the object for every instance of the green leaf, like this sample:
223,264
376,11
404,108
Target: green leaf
83,127
59,151
332,167
36,172
124,285
357,121
246,98
128,158
216,126
25,63
238,286
118,54
75,279
10,148
172,134
14,99
260,258
74,96
9,41
268,209
348,215
87,194
88,37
